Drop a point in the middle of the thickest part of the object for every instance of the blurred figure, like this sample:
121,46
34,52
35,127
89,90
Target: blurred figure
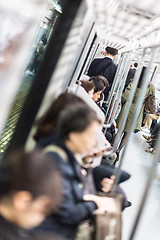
30,188
148,122
46,125
152,139
124,101
77,128
131,75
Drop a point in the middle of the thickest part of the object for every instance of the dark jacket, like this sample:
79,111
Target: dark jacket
73,209
105,67
9,231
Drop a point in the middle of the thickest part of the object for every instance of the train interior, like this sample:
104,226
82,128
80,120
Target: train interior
77,32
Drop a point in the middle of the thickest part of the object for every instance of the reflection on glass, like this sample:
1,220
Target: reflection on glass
12,29
46,28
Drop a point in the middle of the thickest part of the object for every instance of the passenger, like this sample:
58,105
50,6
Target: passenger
76,131
30,188
106,84
130,75
46,125
148,121
124,100
105,67
99,86
151,139
46,134
88,86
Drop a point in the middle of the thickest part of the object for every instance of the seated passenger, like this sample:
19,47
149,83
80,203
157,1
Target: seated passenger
99,86
30,188
46,134
151,139
148,122
88,86
46,125
77,128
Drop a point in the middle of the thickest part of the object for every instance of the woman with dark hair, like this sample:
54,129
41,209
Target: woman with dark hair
30,188
88,86
99,87
46,125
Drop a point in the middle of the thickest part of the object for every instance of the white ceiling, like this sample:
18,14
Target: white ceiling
127,24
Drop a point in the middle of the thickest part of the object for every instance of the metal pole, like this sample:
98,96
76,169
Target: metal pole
119,87
115,82
132,92
138,107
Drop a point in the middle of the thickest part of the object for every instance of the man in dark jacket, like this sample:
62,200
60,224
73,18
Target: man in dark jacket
105,67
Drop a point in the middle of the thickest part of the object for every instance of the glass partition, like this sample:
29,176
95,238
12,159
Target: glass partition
14,29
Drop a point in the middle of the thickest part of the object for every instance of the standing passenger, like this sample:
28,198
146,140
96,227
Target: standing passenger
105,67
131,75
124,101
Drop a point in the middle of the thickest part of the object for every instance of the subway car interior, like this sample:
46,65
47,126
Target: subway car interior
55,47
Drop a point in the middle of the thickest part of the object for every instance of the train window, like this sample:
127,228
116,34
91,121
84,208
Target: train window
13,30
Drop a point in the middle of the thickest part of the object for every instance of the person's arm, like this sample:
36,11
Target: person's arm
73,211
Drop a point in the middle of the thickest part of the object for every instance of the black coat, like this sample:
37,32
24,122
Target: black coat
73,209
105,67
9,231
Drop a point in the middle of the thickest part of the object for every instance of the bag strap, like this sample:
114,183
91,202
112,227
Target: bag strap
56,149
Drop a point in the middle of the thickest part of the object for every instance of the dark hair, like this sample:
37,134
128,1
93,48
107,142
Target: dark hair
32,171
105,81
136,65
98,83
75,119
111,51
47,123
87,85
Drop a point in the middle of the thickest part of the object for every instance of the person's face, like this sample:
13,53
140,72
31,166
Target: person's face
91,92
96,96
29,212
84,141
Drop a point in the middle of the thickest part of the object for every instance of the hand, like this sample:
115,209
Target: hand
103,203
107,184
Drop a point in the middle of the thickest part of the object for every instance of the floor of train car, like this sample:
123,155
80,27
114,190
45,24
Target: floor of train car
137,162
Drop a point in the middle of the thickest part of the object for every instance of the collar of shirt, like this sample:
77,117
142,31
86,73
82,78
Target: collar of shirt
109,57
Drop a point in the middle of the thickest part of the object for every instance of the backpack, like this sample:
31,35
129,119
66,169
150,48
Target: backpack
150,104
